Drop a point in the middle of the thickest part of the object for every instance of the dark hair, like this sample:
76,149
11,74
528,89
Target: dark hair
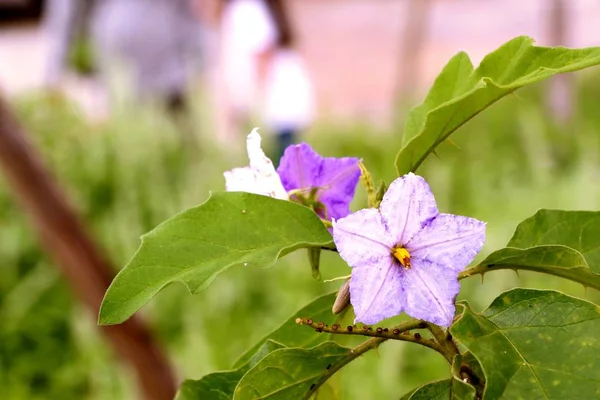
278,10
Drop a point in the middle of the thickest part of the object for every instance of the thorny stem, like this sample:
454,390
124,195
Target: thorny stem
586,279
450,342
399,332
479,269
352,355
363,330
444,338
437,332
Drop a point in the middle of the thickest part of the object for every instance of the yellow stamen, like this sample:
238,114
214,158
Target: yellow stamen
403,256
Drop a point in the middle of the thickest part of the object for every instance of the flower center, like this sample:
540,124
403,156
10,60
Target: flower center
403,256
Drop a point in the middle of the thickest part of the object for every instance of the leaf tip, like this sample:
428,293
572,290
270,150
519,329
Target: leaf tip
106,316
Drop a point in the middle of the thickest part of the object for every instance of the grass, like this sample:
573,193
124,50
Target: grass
130,173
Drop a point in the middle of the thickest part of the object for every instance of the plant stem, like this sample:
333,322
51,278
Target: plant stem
445,341
352,355
380,335
437,332
339,278
327,223
579,275
399,332
479,269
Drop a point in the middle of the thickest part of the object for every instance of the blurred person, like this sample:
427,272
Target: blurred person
261,67
155,40
66,22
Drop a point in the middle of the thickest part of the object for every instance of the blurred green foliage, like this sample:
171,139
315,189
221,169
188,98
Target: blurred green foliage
131,172
81,56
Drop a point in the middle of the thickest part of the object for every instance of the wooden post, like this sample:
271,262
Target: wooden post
561,88
64,238
413,39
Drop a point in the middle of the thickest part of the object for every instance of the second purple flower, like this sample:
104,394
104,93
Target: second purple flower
326,184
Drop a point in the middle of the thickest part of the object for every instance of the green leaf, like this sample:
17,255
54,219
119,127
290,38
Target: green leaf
196,245
561,243
462,390
449,389
221,385
288,373
330,390
440,390
461,92
534,344
579,230
292,335
216,386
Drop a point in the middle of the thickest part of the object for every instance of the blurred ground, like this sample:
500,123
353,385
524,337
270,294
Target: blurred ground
352,46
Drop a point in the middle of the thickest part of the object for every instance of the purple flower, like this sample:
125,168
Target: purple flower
406,256
325,184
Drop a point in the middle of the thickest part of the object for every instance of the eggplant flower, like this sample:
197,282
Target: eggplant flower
260,177
326,184
406,256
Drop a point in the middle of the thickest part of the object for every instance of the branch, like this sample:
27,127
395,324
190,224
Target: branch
83,264
399,332
479,269
352,355
379,334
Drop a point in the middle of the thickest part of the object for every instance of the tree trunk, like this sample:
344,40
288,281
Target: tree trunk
64,238
560,97
413,40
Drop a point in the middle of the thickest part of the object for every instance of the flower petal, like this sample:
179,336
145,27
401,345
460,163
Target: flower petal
376,291
267,180
407,206
303,168
449,240
241,180
430,292
361,238
299,167
338,178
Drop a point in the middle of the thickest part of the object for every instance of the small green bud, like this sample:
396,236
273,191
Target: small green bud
379,195
314,256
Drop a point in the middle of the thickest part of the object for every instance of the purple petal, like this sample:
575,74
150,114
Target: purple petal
299,166
361,238
449,240
376,291
338,177
303,168
407,206
430,292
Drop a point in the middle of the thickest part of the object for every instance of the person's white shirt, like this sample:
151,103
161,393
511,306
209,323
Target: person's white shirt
247,31
288,92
